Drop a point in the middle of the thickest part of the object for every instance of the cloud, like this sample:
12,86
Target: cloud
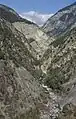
36,17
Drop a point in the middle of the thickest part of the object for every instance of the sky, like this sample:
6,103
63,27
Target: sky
42,6
37,11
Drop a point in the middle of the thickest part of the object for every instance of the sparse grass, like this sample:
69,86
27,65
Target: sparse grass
33,113
69,112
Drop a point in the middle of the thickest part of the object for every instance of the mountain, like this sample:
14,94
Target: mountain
59,64
38,18
59,60
37,72
61,22
61,67
10,15
22,95
37,39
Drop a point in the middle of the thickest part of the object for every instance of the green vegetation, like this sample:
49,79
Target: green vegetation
54,79
60,75
59,41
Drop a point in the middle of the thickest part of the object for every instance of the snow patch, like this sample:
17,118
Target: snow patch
38,18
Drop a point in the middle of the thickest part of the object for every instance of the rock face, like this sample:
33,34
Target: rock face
61,22
37,39
69,112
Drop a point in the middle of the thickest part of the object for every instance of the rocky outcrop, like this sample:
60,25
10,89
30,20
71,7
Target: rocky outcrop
37,39
69,112
61,22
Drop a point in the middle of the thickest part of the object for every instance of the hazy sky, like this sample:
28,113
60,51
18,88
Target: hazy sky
43,6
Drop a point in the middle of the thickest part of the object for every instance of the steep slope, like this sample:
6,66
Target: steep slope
18,50
59,61
38,40
68,112
59,64
21,95
61,22
10,15
60,67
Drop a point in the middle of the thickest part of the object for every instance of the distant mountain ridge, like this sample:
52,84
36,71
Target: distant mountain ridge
38,18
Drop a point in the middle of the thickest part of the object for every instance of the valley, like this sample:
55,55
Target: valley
38,66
